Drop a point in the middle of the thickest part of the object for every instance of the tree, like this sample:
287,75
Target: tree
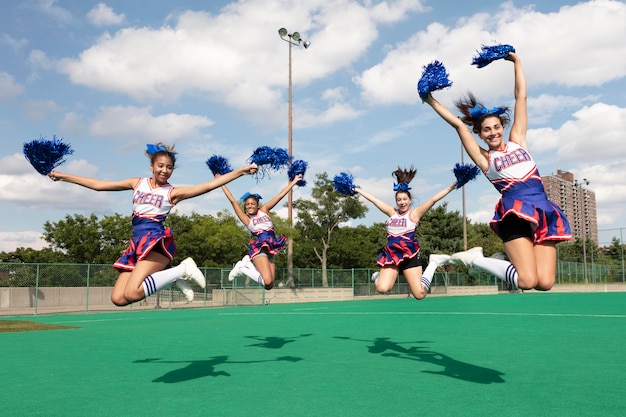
211,241
440,231
88,239
319,218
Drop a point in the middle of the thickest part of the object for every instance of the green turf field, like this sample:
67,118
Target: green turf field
499,355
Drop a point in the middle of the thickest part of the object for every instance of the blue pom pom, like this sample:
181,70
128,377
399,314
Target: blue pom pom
488,54
297,167
268,158
45,155
434,77
465,173
218,165
344,183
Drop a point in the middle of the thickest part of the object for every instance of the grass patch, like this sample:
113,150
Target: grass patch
7,326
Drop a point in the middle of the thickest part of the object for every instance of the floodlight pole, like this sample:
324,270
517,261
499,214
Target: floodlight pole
291,39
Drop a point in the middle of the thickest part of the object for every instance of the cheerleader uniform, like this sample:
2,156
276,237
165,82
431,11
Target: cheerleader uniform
514,174
151,205
262,228
402,245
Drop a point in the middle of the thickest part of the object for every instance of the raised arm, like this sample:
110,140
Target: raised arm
520,112
381,205
94,183
241,215
183,193
267,207
478,155
419,211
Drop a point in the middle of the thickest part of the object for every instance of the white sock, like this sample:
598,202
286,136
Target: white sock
429,272
162,279
252,273
502,269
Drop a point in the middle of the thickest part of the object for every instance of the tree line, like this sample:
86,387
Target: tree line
321,234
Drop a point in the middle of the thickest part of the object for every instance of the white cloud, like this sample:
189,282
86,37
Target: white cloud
103,15
9,88
138,122
9,241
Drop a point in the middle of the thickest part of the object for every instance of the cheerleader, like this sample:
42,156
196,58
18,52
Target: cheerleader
259,265
145,267
402,253
527,222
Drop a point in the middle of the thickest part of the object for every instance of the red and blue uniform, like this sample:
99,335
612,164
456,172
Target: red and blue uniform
514,174
262,228
401,241
151,205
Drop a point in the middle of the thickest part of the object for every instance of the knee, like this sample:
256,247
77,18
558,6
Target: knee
118,300
419,295
269,286
383,289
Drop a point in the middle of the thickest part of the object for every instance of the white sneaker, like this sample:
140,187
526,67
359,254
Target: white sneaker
375,276
247,261
439,259
184,287
467,257
235,271
192,272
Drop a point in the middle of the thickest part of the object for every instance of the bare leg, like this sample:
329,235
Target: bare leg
413,277
128,288
266,269
386,279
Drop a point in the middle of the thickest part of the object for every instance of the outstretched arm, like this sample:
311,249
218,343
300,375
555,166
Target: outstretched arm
267,207
182,193
477,154
241,215
94,183
520,115
419,211
381,205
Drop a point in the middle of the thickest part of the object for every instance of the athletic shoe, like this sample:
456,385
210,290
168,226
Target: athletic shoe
247,261
439,259
467,257
184,287
193,273
375,276
235,271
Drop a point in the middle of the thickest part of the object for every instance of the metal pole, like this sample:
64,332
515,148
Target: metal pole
290,195
464,214
584,233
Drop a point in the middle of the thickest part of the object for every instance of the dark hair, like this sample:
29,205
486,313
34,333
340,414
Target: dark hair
405,176
465,103
168,151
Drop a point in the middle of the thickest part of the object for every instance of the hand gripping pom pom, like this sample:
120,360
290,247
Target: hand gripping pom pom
45,155
434,77
344,184
267,158
297,167
488,54
465,173
218,165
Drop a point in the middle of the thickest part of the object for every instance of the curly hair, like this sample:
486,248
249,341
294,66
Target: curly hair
465,103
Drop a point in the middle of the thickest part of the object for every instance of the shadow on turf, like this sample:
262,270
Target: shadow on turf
203,368
451,367
272,342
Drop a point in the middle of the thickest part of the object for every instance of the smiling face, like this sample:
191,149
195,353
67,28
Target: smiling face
403,201
492,132
251,205
162,167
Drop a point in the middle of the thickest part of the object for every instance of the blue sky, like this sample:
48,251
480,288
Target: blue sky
212,78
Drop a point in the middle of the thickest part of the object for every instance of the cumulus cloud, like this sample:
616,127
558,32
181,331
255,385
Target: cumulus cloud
138,122
9,88
103,15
